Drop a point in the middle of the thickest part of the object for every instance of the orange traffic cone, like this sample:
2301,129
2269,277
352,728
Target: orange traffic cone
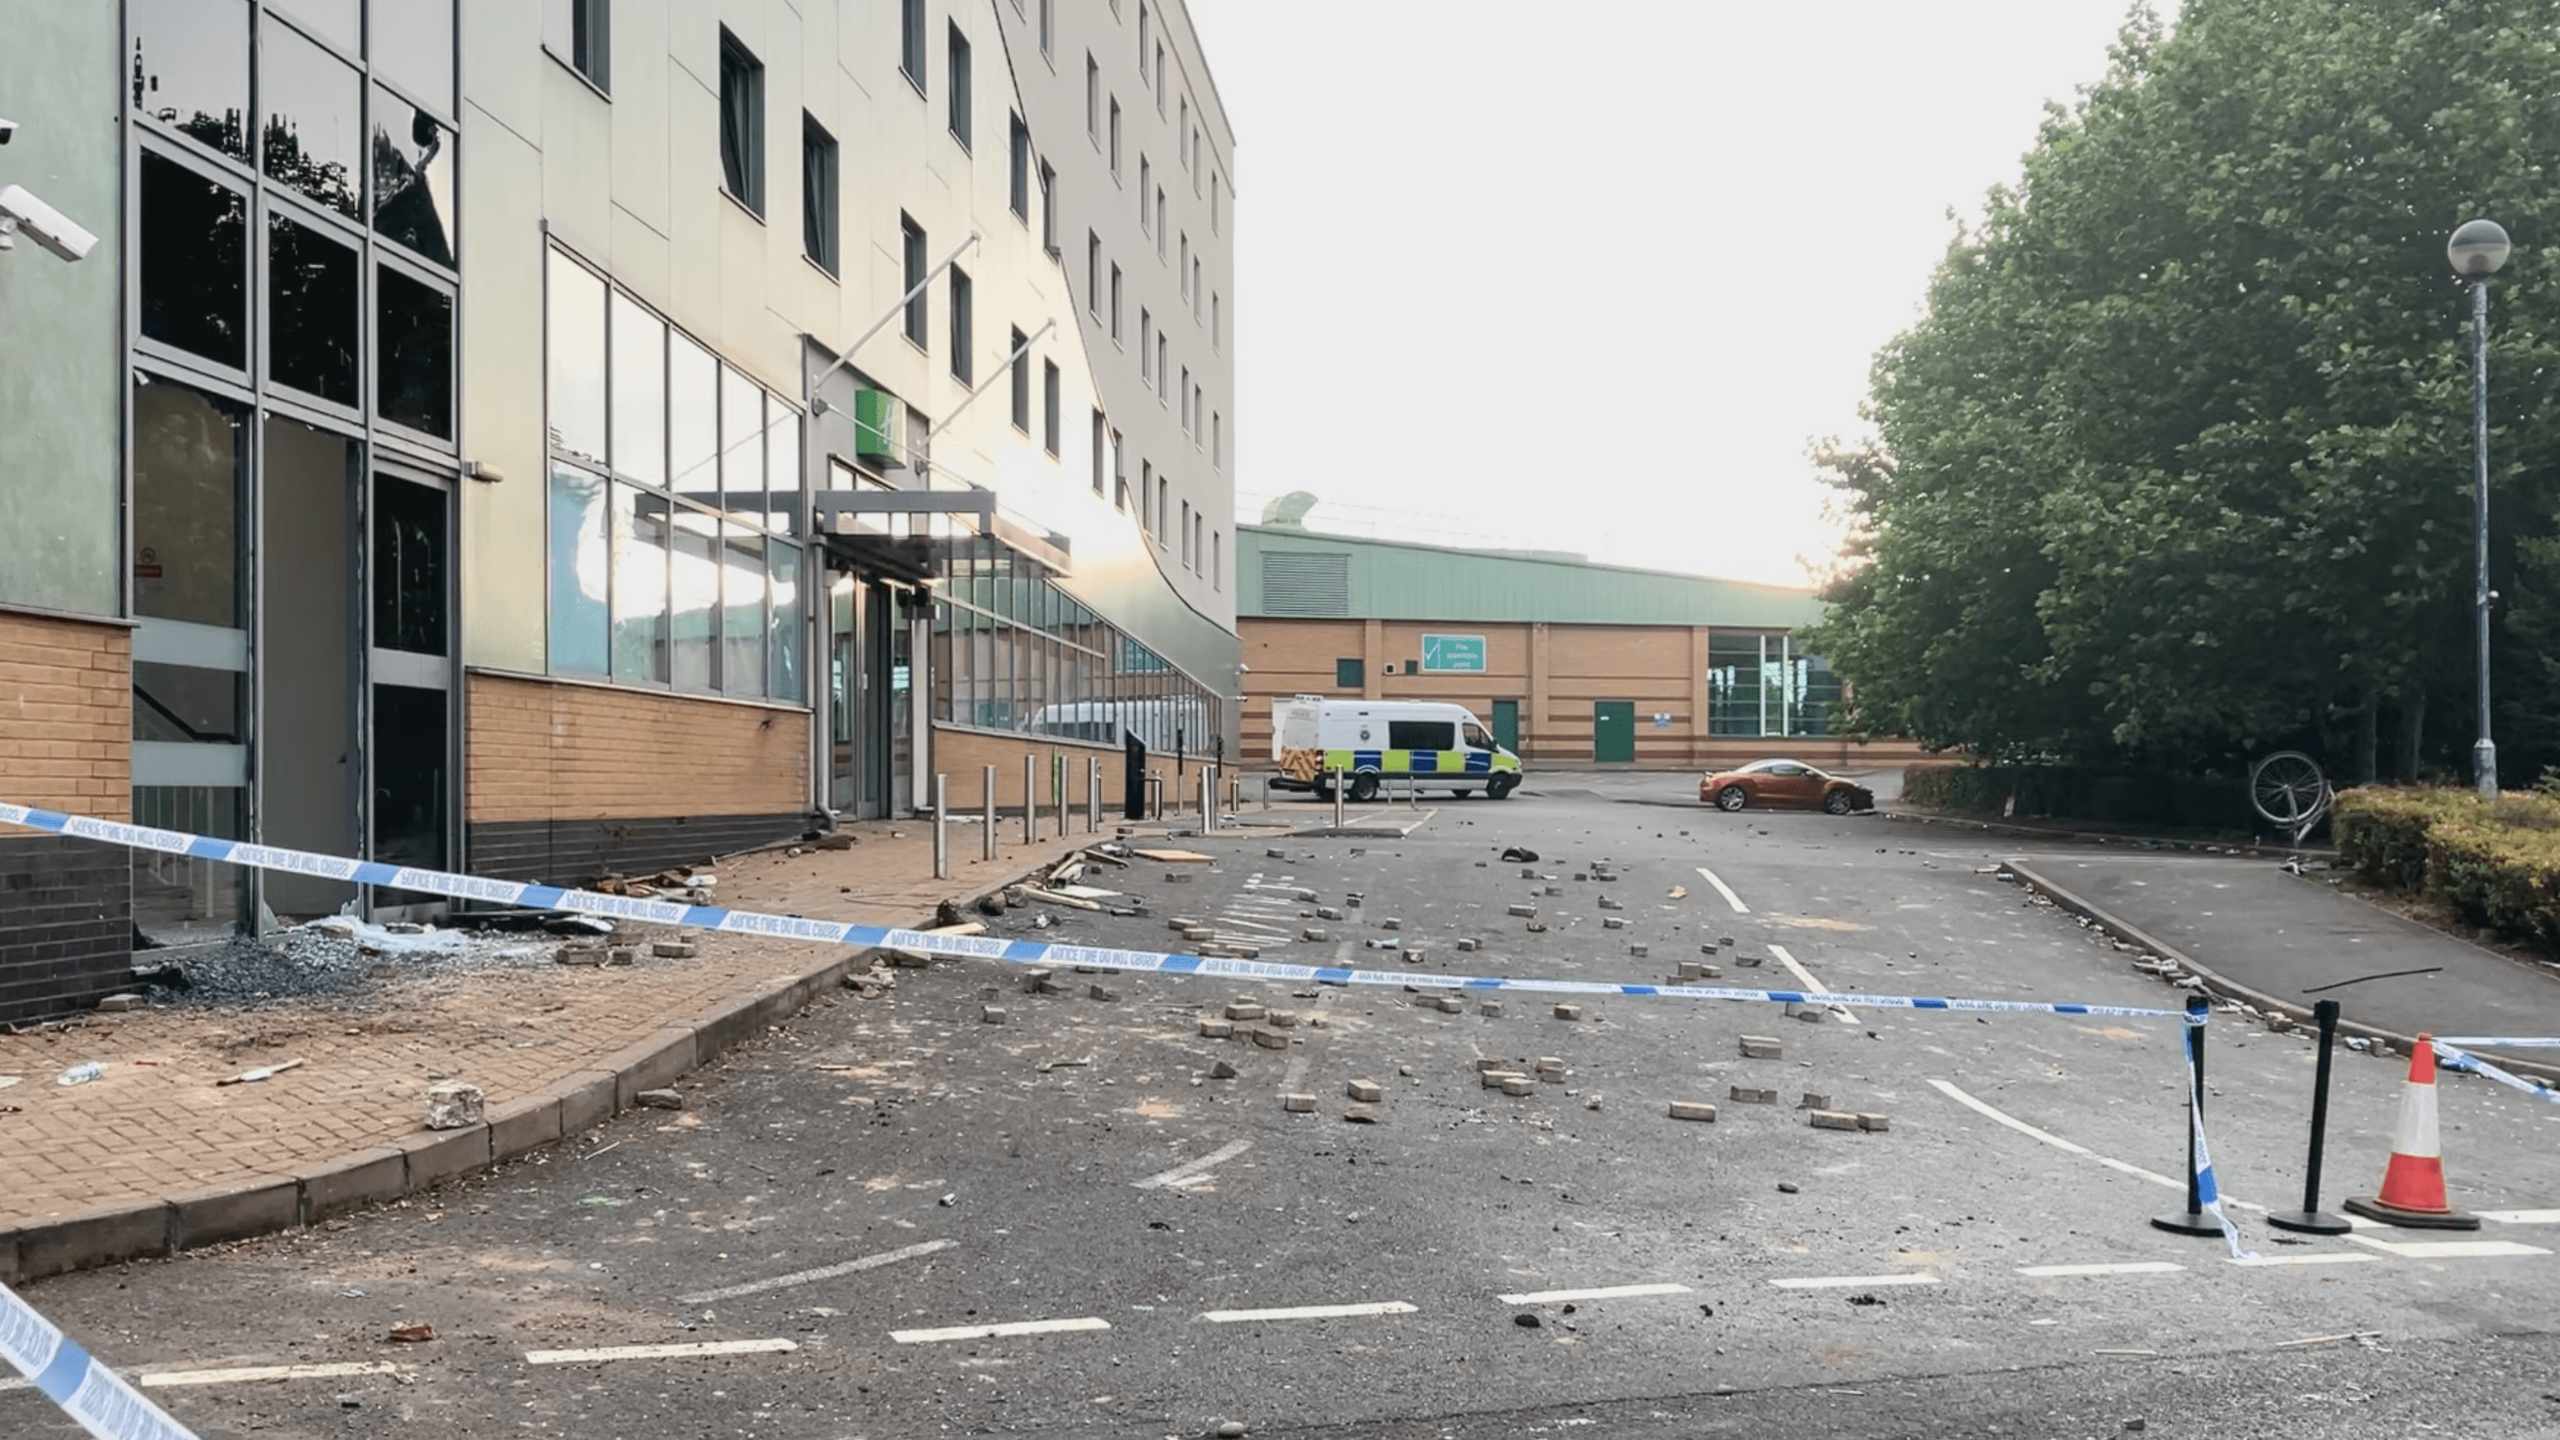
2413,1183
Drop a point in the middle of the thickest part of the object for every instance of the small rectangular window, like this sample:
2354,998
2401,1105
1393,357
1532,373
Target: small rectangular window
1092,98
1146,28
818,192
963,362
1048,25
1217,206
1146,356
741,123
1159,222
959,82
1159,79
1093,272
1184,124
1196,166
911,243
1100,457
1021,366
579,34
1115,303
1217,560
1049,381
1115,137
1217,325
1146,179
1119,475
1422,735
1350,674
1182,272
1190,559
1164,500
1018,168
1164,358
1146,495
1185,392
911,40
1218,439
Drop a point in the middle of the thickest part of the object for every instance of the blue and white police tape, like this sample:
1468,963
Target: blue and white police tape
2456,1058
1014,952
2208,1191
72,1378
2500,1042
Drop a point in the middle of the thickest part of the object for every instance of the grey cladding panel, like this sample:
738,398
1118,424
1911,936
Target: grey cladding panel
1305,582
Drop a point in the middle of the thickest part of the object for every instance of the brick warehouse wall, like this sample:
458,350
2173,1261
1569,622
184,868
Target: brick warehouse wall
1557,673
66,743
567,781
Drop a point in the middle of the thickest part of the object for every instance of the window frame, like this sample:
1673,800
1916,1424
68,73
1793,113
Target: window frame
1052,384
911,44
1017,178
1018,364
739,64
958,64
918,326
821,211
964,304
596,17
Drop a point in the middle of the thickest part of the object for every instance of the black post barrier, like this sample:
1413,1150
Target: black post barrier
1133,778
2193,1220
2310,1220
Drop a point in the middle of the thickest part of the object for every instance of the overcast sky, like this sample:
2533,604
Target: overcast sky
1590,275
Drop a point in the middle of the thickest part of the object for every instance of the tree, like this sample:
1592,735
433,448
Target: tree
2176,466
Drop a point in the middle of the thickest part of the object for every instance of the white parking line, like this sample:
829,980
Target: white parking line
1605,1292
2129,1267
1308,1312
2058,1143
995,1332
2448,1249
1189,1168
249,1374
1845,1282
2522,1217
823,1272
657,1352
1805,978
2328,1258
1726,891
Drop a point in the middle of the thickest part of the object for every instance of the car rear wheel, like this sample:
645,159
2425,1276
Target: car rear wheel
1501,786
1732,797
1836,803
1364,788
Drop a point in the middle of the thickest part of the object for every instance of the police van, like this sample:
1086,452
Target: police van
1438,746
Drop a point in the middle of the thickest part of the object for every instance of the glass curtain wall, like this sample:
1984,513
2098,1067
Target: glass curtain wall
675,507
1013,652
291,171
1761,684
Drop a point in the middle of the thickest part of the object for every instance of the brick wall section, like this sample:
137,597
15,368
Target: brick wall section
570,781
66,733
1557,673
963,755
544,751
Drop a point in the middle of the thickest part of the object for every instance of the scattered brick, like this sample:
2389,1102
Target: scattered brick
1248,1010
454,1105
672,950
660,1099
1812,1101
1466,947
1217,1029
1752,1095
1298,1103
1524,912
1489,1009
1568,1012
1874,1122
1222,1071
1692,1110
1359,1115
1281,1019
1368,1092
1270,1039
991,1014
1831,1120
1519,1085
1760,1047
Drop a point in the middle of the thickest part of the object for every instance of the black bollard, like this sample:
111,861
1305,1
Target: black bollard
2193,1220
2310,1220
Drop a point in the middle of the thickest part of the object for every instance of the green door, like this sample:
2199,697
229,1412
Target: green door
1613,732
1506,724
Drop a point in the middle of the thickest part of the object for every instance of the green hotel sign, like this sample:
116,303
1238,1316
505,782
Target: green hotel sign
1453,654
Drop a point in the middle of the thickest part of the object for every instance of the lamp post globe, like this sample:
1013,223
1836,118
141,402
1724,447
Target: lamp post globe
2478,248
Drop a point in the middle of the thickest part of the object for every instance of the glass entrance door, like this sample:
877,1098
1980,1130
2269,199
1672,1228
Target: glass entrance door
409,671
309,764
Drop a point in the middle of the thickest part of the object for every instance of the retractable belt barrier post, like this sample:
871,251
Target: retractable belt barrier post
1030,805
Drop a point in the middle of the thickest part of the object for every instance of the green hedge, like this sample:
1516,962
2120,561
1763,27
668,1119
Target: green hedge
2074,792
2497,864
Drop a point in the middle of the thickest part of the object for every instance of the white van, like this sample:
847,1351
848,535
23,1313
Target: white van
1441,746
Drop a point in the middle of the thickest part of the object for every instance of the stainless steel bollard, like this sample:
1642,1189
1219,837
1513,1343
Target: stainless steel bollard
1093,795
1208,798
987,803
941,826
1058,790
1337,799
1030,804
1155,796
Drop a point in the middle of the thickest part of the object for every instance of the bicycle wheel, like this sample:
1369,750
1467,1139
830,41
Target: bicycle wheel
2288,788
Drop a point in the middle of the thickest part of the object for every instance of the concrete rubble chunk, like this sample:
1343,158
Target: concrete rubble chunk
1328,912
1360,1114
1314,935
621,955
1100,992
1298,1102
1691,969
1613,922
1492,1079
1710,972
1466,947
1568,1012
672,950
455,1105
1752,1095
1451,1004
1639,950
1390,924
1552,890
117,1004
1281,1019
1692,1110
1523,912
1831,1120
1270,1039
1607,903
1812,1101
578,955
1519,1085
991,1014
1537,927
1248,1010
1489,1009
1761,1047
910,959
1032,980
1222,1071
1180,923
660,1099
2279,1022
1217,1029
1812,1014
1483,1065
1367,1092
1874,1122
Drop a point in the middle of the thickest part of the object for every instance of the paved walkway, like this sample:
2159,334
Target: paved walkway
155,1126
2280,935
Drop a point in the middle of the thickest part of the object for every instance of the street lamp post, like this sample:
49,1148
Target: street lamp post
2477,249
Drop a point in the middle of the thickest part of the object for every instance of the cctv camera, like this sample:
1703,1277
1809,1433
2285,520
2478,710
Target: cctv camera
8,131
55,231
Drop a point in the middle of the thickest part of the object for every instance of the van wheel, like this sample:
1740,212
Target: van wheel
1501,786
1364,788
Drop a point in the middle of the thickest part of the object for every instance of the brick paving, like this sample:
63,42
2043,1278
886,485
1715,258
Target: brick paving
156,1125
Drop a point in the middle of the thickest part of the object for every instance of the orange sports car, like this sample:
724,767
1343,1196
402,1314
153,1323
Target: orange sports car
1787,783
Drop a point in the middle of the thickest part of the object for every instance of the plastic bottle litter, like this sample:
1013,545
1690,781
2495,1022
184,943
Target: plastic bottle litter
80,1074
